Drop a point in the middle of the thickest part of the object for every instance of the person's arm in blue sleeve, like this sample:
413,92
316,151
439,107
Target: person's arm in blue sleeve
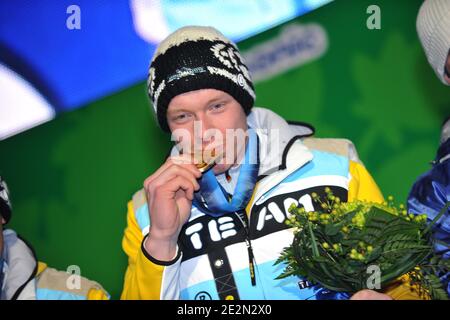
428,196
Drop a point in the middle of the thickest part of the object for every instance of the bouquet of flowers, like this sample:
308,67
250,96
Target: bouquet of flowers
337,245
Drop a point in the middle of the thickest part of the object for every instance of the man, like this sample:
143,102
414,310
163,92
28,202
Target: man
433,27
215,234
22,277
431,191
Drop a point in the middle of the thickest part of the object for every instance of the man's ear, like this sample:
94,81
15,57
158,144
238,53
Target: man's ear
447,69
3,221
447,79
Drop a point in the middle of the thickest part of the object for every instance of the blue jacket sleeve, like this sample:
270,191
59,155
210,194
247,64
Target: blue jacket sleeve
429,195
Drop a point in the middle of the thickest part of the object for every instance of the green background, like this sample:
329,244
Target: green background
71,178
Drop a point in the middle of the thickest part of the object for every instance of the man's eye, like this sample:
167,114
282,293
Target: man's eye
180,117
217,106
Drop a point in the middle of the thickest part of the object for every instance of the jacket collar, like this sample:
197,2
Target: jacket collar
277,136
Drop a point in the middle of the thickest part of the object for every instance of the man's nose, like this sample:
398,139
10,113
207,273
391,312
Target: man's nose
205,132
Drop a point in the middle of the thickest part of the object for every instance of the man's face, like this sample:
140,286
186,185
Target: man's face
209,117
447,69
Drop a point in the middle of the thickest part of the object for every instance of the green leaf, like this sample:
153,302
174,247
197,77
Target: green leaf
286,274
434,285
313,241
332,229
441,213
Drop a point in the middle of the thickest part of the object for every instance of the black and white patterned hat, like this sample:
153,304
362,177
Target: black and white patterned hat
5,203
194,58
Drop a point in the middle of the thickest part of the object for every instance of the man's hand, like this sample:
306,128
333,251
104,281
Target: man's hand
170,191
370,295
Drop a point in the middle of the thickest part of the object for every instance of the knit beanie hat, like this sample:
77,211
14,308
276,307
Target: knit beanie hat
433,27
5,204
194,58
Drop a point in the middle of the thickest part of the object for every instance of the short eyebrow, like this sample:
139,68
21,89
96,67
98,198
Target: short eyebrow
216,99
